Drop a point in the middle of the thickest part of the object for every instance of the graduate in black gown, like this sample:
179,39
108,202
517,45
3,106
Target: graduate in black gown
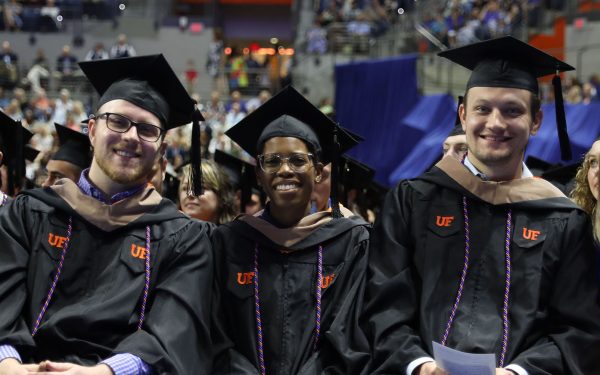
290,284
13,153
479,256
73,156
95,276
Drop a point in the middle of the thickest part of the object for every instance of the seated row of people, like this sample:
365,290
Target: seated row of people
103,275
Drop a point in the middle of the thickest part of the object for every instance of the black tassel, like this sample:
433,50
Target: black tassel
561,122
246,188
335,162
195,157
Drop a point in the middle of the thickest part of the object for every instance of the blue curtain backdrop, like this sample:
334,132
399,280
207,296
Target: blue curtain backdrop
434,116
371,99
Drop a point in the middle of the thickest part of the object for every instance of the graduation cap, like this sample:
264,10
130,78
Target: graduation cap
289,114
559,175
75,147
13,138
150,83
241,175
457,129
30,153
508,62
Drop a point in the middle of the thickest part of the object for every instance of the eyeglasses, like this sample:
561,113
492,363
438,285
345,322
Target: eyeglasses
121,124
298,162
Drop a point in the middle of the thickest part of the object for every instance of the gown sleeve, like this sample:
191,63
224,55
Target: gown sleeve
573,328
392,289
175,337
226,359
14,258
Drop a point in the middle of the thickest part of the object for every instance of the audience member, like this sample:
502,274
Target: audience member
122,48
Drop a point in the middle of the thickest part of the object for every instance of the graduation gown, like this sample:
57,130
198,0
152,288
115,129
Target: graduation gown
95,309
417,259
287,277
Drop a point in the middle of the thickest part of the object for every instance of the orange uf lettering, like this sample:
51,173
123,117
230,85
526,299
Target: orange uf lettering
444,221
530,234
326,281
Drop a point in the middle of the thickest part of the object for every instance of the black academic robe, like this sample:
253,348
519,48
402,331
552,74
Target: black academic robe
417,258
95,309
287,278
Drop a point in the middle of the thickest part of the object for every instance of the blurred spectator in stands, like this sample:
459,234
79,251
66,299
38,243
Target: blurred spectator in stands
41,105
38,74
191,76
215,105
42,139
589,93
235,97
4,99
595,82
454,22
97,53
78,114
330,11
21,96
574,94
62,106
316,38
238,75
48,20
491,17
12,15
13,109
257,101
468,33
9,73
235,115
28,119
122,48
66,64
215,59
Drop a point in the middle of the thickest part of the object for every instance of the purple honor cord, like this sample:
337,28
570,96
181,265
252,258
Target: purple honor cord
259,330
463,277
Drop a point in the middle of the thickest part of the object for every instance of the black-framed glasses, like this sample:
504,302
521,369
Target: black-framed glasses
121,124
298,162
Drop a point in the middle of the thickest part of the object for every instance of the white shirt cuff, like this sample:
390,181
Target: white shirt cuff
516,368
416,363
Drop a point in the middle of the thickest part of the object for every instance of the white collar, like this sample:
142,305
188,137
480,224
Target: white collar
526,173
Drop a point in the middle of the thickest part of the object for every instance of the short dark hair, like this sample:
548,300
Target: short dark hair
535,103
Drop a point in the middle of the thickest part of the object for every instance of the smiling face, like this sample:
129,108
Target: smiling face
122,158
289,191
204,207
498,123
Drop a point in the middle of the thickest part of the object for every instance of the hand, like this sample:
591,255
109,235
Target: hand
430,368
10,366
58,368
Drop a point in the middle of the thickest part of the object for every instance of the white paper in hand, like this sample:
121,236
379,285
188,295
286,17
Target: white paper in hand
460,363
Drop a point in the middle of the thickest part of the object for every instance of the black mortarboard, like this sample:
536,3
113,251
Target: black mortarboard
241,175
13,138
561,176
508,62
457,129
75,147
289,114
149,83
30,153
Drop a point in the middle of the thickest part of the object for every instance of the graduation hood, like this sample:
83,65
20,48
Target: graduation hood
531,193
144,208
312,230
